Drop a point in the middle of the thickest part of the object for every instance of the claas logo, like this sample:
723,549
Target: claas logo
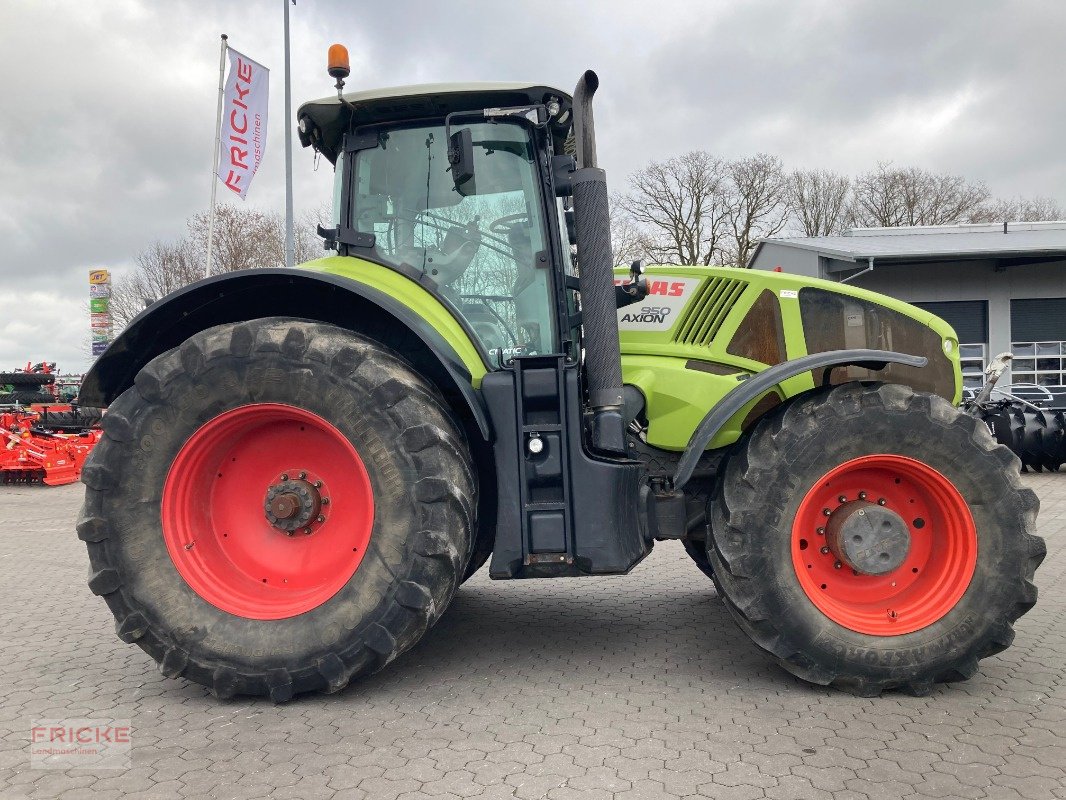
665,288
668,288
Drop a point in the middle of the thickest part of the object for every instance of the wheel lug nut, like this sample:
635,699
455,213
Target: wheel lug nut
837,565
826,511
307,530
325,501
825,550
318,484
882,502
842,499
303,475
821,531
284,476
321,518
862,495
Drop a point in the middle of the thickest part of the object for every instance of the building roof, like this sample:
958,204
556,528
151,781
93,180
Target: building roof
328,118
938,242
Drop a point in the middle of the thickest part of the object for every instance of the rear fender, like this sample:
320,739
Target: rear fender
294,293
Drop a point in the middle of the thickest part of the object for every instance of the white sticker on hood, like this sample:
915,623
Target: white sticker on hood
659,310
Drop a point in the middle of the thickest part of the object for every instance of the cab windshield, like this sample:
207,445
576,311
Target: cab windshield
480,243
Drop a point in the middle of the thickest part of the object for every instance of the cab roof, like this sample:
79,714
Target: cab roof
328,118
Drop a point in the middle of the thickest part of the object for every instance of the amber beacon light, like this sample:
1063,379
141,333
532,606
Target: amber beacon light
338,62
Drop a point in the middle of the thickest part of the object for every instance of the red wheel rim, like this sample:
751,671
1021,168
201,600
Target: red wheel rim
936,571
214,511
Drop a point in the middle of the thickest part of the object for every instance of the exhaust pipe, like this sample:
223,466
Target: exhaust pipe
603,358
584,125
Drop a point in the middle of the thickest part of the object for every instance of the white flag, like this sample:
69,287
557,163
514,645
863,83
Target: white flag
244,122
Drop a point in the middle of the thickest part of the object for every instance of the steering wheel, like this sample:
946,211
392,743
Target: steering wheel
503,225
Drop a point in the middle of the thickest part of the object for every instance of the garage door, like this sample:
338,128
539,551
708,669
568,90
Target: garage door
1038,320
969,318
1038,340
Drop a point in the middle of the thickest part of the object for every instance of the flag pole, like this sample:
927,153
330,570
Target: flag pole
214,159
290,244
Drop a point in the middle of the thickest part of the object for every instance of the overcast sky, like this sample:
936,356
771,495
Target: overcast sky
107,119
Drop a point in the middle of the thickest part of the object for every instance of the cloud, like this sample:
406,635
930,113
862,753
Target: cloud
106,139
33,337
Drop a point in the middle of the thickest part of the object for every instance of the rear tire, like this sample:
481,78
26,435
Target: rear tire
482,552
170,546
977,552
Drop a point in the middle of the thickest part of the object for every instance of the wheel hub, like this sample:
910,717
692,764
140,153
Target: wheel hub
294,505
868,538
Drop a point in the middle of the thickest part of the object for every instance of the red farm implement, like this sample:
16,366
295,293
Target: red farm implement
31,453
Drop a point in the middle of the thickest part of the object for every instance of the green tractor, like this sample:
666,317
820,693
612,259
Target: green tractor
300,466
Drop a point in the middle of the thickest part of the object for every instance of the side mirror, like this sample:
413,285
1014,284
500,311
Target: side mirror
461,156
636,270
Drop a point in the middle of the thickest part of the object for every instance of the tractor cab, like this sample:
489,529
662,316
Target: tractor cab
448,184
461,189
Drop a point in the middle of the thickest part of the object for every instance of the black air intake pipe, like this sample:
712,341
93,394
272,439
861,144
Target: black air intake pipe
603,359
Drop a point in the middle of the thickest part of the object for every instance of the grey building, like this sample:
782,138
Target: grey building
1001,286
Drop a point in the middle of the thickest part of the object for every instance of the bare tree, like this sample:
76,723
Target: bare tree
759,203
127,300
1019,209
819,201
309,245
680,207
245,238
162,268
891,197
628,242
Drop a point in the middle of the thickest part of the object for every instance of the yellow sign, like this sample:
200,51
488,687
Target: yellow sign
99,276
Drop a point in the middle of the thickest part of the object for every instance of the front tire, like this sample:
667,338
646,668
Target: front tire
958,546
697,551
277,507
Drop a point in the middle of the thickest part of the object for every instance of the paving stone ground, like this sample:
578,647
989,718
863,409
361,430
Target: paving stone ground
612,688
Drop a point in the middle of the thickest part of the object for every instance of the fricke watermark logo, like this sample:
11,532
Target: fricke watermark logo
84,743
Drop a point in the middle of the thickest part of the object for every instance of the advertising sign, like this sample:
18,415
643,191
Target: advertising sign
100,322
244,122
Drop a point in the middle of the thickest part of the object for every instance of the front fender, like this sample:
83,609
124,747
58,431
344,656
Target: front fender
452,361
767,379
